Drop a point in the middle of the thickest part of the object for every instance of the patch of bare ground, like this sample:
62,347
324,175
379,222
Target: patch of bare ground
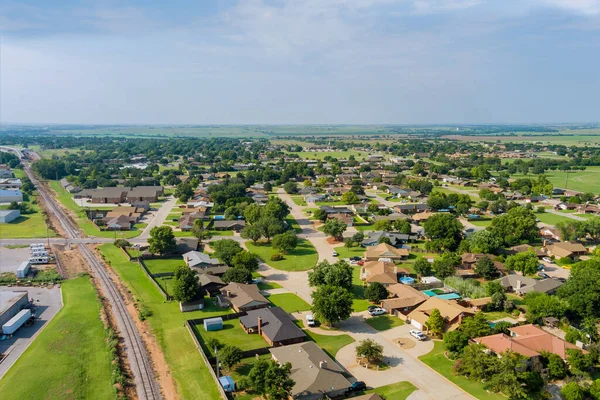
70,261
68,212
159,363
50,218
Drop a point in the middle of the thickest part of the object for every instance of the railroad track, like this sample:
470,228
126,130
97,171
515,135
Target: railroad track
137,355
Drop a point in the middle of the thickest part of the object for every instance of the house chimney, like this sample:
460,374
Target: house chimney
228,293
322,364
259,325
519,284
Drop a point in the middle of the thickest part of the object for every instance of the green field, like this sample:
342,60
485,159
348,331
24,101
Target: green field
552,219
70,358
301,258
191,375
384,322
344,252
27,225
289,302
396,391
587,180
310,155
87,226
437,361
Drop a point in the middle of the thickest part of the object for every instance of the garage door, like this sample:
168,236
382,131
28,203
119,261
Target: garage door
416,324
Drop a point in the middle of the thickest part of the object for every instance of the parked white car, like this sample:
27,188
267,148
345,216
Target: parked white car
334,253
310,320
418,334
377,311
548,260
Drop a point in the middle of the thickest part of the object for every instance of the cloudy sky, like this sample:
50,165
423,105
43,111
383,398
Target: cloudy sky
300,61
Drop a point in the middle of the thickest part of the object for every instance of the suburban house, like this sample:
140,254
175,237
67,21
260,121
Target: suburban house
314,197
396,239
199,260
522,248
233,225
405,299
550,233
345,218
422,216
144,193
522,284
384,272
527,340
411,208
468,260
274,325
337,210
572,250
315,374
211,284
452,312
120,223
242,297
397,192
116,195
10,183
384,250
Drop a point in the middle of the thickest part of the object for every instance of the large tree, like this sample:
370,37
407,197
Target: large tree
517,226
435,322
485,268
270,226
230,356
335,228
444,230
269,378
476,326
423,267
239,275
276,208
285,242
245,260
186,286
338,274
581,291
484,242
526,262
162,240
226,249
369,349
199,231
376,292
540,305
331,304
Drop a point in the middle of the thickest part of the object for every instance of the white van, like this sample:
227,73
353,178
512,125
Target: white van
39,253
37,246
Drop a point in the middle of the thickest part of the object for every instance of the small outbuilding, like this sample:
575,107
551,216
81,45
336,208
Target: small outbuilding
191,305
213,324
7,216
227,383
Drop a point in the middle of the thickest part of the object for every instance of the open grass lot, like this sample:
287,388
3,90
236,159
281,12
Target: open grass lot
551,219
437,361
267,285
27,225
587,180
293,224
331,344
301,258
309,155
344,252
191,375
384,322
87,226
481,222
299,200
232,334
358,291
396,391
158,266
289,302
69,359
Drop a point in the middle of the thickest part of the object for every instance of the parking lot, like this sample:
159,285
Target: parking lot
48,302
10,259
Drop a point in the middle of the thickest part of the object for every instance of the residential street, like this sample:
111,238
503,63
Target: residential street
159,217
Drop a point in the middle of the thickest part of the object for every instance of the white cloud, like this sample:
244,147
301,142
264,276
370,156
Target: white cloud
586,7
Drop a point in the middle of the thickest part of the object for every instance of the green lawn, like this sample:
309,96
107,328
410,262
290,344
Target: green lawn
191,375
481,222
266,285
212,232
299,200
301,258
232,334
438,362
289,302
331,344
87,226
344,252
363,227
384,322
158,266
69,359
551,219
293,224
358,291
396,391
582,181
27,225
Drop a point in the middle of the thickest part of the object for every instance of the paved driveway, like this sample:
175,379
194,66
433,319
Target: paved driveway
404,364
159,217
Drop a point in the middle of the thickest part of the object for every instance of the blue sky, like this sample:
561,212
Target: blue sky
300,61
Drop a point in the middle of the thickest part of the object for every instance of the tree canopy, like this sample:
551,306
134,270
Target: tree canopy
517,226
162,240
332,304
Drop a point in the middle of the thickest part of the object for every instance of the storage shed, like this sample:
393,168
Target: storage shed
213,324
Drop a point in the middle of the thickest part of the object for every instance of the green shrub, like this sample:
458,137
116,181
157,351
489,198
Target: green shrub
276,257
